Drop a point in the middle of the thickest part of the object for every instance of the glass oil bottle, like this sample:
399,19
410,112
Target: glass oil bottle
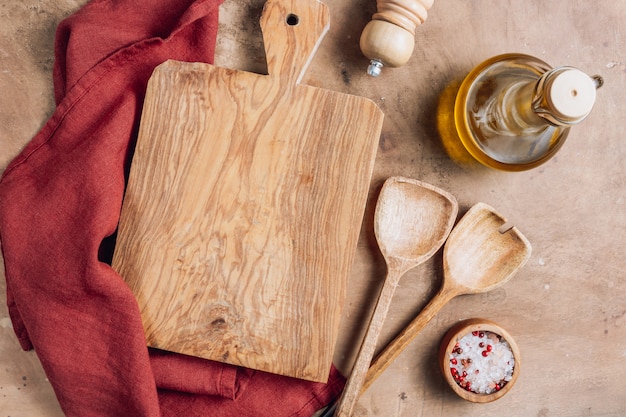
513,112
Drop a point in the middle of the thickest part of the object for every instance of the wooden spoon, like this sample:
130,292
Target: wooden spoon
481,254
412,221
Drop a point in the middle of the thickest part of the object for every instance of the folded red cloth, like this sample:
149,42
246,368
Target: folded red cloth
60,201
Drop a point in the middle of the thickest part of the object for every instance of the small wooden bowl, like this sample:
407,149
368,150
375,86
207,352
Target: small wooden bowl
448,343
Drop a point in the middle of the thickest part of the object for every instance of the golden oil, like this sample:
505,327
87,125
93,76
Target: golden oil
513,112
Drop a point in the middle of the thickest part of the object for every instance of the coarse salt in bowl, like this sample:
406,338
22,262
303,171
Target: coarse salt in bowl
479,360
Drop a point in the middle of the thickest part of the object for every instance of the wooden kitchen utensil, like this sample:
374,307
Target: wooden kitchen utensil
479,256
244,204
411,222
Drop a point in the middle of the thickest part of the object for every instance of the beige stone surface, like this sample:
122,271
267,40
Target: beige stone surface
566,308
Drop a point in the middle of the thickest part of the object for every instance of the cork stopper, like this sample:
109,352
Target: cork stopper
565,96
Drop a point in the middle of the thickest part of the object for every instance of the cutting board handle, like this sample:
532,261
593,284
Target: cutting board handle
292,31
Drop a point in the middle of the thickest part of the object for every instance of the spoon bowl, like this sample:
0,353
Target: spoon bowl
479,256
412,220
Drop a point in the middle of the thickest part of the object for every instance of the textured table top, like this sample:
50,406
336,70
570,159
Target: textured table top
566,308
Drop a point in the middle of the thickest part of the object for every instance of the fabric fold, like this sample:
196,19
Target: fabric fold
174,372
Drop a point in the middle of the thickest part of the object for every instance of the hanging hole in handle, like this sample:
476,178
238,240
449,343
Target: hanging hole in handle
292,19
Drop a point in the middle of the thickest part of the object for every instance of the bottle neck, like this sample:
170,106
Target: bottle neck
562,97
565,96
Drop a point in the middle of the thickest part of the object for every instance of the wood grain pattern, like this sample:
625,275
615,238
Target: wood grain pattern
244,205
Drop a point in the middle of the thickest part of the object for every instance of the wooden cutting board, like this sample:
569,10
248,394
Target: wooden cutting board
244,204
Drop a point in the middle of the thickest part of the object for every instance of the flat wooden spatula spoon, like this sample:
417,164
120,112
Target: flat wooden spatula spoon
411,222
482,253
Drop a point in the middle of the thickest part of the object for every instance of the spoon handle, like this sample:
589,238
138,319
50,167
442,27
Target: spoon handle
394,348
353,386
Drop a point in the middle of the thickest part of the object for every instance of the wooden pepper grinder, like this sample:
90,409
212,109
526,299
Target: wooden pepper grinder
389,38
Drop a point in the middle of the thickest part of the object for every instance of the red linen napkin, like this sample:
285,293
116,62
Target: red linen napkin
60,201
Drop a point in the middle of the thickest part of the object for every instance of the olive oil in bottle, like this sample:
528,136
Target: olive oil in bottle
513,112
